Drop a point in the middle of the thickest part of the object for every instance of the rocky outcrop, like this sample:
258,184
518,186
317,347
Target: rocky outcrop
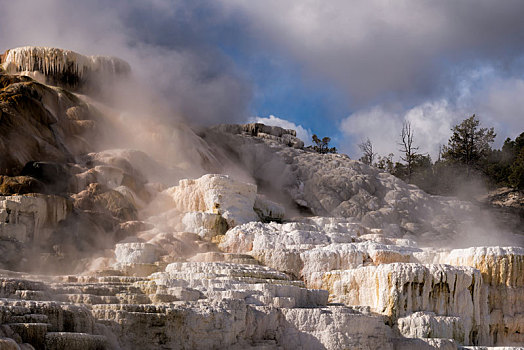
286,137
62,68
41,123
31,217
11,185
508,203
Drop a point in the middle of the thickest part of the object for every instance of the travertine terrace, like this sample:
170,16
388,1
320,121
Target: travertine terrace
258,243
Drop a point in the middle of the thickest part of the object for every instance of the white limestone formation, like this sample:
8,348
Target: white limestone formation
30,217
62,66
429,325
132,253
315,245
502,270
217,194
334,185
376,269
206,225
397,290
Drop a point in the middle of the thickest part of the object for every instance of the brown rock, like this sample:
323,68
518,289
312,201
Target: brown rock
98,198
19,185
35,125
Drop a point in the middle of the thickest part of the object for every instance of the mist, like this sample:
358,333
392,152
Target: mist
172,56
183,76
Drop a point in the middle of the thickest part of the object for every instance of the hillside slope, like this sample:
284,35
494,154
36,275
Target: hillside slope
232,237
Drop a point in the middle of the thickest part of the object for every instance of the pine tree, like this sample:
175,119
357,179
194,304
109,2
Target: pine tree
469,144
322,146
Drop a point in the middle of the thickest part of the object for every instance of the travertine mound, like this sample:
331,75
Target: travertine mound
475,298
159,250
237,202
334,185
231,306
60,67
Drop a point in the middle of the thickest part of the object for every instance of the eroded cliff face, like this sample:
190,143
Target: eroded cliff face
61,67
208,245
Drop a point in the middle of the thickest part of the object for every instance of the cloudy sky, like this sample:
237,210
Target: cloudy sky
345,69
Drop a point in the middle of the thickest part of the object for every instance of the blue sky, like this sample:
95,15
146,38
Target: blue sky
347,69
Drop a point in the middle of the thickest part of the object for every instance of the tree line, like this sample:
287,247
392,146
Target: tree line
466,159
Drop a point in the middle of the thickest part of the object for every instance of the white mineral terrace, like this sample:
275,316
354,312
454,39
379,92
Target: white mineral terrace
210,263
53,61
455,297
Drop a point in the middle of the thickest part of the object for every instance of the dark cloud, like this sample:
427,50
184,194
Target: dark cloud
377,49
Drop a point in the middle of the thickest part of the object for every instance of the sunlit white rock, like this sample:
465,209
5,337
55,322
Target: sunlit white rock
399,289
132,253
218,194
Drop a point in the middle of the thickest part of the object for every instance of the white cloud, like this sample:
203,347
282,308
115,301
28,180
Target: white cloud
431,123
501,104
302,133
377,124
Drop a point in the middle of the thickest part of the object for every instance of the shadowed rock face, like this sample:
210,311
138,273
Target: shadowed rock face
40,123
509,203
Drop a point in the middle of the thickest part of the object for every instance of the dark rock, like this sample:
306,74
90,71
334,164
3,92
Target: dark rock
54,175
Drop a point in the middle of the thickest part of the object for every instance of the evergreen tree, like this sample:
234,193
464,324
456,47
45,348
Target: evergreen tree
322,146
469,144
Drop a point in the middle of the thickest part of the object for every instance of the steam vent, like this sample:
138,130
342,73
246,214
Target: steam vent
114,236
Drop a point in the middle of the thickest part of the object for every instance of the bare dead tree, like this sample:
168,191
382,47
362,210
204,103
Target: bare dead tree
409,151
440,151
367,149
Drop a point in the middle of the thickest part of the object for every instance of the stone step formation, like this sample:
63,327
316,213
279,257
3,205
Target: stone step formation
122,249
